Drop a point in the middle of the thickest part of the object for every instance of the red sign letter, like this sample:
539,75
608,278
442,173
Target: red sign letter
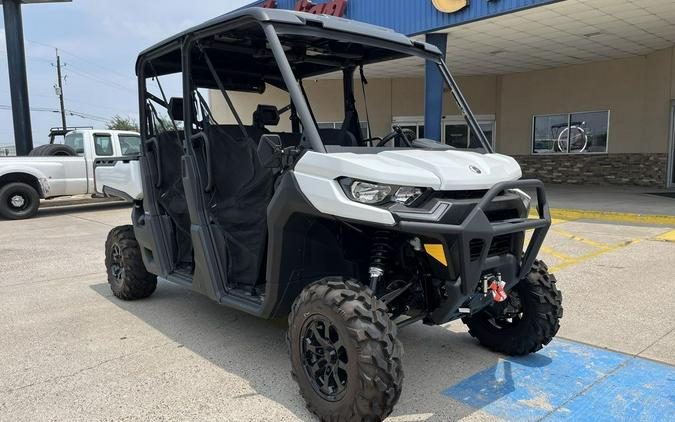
269,4
303,5
335,8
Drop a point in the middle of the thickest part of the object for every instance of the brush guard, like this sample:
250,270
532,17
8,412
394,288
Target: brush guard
477,226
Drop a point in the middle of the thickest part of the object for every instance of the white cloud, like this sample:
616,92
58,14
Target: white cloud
105,37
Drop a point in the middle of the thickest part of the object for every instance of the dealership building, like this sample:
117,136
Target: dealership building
578,91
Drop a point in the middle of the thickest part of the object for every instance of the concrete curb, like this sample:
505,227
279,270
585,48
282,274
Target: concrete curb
567,214
76,201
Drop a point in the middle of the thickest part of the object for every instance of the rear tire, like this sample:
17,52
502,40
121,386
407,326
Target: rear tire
18,201
127,276
540,305
344,352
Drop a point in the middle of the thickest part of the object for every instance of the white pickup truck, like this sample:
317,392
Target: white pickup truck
25,180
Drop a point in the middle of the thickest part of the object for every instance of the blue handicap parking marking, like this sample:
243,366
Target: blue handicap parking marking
568,380
639,391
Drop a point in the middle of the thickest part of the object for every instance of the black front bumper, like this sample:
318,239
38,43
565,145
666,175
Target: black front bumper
460,242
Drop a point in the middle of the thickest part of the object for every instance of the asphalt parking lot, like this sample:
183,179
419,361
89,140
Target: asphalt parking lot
71,351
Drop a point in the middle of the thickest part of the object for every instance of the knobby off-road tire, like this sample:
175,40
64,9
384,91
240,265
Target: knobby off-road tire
539,320
127,276
338,323
18,201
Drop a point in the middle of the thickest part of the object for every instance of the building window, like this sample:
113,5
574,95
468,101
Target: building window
454,131
460,136
417,129
338,125
571,133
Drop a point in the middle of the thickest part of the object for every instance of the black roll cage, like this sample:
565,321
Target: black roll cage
291,83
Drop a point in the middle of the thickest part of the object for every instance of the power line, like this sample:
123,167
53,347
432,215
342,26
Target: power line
84,103
28,57
83,59
110,84
68,112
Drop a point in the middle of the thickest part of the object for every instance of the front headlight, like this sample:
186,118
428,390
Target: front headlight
369,193
377,193
407,195
527,199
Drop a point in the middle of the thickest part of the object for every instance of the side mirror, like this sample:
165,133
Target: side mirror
269,151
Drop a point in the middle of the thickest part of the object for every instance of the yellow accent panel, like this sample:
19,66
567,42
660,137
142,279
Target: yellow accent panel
437,252
450,6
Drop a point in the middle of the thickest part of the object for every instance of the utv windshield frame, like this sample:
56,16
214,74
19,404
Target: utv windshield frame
417,50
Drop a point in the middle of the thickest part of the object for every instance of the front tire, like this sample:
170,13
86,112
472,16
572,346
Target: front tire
526,321
18,201
127,276
344,352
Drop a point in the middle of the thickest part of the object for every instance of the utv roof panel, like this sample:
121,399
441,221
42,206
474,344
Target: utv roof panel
302,19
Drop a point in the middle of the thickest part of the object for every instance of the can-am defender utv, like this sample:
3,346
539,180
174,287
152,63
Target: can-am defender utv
350,236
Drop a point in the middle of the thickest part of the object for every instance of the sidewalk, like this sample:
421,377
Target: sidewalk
608,198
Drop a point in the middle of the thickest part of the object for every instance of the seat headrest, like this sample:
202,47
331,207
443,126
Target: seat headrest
266,115
176,109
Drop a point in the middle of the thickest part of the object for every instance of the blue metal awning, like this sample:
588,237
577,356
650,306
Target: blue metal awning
413,17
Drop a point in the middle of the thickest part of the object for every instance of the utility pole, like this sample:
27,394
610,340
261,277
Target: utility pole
59,89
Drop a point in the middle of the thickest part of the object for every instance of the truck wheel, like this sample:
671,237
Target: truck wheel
344,352
18,201
526,321
127,276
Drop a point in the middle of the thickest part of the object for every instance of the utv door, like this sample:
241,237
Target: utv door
162,224
234,195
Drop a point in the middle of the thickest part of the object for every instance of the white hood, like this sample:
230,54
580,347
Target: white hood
438,169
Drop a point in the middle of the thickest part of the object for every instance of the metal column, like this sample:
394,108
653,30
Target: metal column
18,82
433,91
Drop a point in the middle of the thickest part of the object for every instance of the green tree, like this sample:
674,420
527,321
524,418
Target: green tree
122,123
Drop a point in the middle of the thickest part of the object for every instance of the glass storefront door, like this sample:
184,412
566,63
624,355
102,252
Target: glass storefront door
671,155
457,133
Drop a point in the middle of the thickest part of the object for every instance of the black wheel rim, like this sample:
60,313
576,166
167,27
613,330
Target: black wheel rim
507,314
18,202
324,358
116,263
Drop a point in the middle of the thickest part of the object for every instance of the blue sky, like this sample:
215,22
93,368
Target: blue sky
99,42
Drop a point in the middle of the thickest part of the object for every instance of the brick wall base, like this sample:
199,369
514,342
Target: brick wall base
648,170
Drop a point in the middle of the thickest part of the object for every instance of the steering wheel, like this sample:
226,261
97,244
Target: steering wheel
398,136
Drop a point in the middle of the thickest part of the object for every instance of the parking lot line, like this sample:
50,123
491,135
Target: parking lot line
667,237
595,254
561,256
581,239
566,380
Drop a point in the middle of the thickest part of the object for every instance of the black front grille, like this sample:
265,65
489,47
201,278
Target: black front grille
504,214
460,194
476,249
500,245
